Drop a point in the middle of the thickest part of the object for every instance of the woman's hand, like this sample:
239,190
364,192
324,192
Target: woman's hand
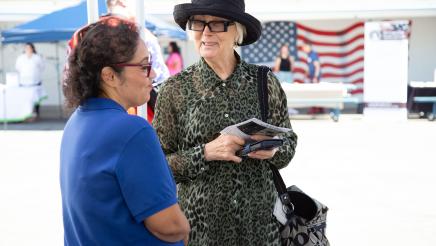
223,148
262,154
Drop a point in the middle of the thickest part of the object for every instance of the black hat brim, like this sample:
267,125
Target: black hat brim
182,12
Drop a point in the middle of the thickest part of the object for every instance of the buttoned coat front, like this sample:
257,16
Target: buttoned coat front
226,203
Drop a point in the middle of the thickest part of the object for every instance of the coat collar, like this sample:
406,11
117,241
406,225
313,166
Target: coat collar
210,79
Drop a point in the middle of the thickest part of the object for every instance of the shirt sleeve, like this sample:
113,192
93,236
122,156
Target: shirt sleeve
144,177
185,163
278,115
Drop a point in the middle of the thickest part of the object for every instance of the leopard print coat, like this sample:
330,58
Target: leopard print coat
226,203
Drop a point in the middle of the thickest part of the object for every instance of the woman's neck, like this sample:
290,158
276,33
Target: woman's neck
223,67
110,94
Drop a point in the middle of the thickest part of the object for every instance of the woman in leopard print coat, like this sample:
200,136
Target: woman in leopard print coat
227,200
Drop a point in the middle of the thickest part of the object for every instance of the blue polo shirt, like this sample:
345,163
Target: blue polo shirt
113,176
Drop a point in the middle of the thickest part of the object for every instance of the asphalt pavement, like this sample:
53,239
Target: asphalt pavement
376,176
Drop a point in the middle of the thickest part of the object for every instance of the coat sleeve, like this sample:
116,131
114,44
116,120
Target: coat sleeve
278,116
186,164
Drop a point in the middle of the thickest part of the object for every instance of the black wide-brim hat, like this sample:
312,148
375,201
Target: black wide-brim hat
233,10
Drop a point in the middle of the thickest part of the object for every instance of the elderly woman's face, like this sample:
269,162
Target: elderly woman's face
211,45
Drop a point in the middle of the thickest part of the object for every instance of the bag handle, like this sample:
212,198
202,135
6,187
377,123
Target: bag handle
262,90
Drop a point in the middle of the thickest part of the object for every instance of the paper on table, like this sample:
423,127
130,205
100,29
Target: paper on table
254,126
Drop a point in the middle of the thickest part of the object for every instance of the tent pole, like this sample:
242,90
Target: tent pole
59,80
3,79
3,75
140,19
92,10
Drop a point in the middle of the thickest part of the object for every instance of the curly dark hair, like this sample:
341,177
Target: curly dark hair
109,41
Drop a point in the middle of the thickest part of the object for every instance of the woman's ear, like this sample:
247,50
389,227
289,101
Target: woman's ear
108,76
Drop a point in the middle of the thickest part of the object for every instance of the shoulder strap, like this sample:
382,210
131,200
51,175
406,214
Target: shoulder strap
278,180
262,90
297,201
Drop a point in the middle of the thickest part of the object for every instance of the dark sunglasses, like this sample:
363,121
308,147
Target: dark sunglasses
214,26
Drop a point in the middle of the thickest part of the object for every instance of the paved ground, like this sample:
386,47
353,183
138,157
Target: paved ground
377,177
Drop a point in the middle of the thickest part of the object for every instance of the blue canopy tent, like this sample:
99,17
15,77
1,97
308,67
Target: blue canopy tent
60,25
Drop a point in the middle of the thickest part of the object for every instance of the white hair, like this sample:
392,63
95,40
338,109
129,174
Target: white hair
241,32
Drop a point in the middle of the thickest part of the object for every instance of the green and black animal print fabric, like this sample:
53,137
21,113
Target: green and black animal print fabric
226,203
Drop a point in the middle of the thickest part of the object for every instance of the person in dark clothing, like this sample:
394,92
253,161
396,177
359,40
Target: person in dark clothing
283,65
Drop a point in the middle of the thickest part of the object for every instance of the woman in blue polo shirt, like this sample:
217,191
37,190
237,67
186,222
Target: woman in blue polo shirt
117,188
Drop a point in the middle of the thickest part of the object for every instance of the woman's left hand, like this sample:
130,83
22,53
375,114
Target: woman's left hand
262,154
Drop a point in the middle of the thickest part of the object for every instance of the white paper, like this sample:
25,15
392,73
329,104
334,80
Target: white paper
253,126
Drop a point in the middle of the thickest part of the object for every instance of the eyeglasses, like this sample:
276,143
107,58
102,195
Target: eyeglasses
214,26
145,67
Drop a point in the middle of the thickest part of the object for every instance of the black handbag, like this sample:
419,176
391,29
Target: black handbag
303,218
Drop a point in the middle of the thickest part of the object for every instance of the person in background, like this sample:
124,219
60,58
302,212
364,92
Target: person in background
123,9
116,186
283,65
313,73
30,66
227,200
174,61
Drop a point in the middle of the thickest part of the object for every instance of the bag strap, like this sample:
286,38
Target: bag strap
262,90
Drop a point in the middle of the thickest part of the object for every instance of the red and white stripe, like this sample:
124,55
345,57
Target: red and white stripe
340,53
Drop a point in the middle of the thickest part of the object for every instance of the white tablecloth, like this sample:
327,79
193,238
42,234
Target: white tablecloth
327,95
16,103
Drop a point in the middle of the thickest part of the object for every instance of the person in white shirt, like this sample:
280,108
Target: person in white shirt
124,8
30,66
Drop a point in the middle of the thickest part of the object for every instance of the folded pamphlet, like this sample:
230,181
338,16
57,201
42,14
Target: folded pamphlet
254,126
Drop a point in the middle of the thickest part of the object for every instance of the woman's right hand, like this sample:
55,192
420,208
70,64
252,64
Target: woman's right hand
223,148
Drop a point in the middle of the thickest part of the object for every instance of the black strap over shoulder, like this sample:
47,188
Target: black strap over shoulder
262,90
296,201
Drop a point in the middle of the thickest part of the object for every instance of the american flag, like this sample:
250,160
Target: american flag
340,51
